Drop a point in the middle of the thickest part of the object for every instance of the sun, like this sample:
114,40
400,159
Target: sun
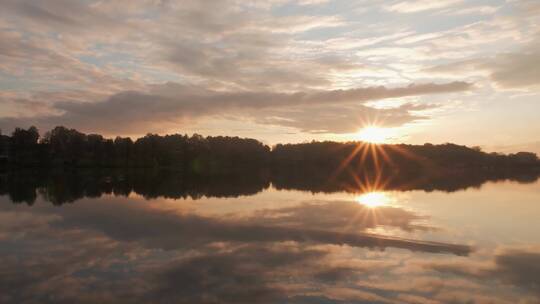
373,134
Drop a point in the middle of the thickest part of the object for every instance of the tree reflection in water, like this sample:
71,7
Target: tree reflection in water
61,187
119,248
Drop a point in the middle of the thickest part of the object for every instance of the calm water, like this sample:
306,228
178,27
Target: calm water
123,240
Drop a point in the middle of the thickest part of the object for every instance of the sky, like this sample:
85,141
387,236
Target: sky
417,71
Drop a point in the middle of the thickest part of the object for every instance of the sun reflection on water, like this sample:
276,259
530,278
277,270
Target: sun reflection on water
374,199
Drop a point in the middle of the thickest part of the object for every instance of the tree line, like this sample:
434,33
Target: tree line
63,147
215,155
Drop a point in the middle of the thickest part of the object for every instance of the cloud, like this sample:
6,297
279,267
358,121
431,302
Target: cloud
97,70
481,10
56,62
516,69
507,70
341,216
339,119
512,68
144,41
128,249
172,231
174,104
58,14
41,68
420,5
517,266
237,275
155,251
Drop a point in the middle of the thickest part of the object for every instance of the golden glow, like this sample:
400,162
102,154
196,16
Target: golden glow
374,134
374,199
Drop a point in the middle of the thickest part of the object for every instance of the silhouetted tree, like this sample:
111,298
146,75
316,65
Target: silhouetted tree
24,146
206,156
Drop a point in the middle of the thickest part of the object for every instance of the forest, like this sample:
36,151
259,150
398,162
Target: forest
207,156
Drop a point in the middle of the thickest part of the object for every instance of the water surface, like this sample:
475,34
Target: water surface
110,238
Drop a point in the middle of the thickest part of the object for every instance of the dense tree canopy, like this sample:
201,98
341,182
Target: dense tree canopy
63,147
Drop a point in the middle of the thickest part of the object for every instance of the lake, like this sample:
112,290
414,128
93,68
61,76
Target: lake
124,238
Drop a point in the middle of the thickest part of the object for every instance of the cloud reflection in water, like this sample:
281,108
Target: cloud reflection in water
116,249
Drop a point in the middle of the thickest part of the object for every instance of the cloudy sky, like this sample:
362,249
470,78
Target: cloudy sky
280,71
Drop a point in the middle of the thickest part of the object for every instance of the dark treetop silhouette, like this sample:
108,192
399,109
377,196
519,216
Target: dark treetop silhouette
62,147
